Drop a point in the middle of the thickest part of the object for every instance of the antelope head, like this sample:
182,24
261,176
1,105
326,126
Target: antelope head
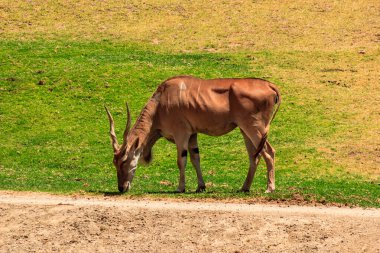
125,156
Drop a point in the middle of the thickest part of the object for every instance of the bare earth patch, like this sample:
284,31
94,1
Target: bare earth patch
35,222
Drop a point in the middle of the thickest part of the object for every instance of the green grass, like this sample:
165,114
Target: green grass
54,130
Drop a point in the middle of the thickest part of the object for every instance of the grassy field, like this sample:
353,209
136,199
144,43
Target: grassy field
61,61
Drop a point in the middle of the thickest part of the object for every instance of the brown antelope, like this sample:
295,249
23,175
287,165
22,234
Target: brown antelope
183,106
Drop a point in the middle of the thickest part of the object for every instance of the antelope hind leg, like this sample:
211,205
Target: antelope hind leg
252,163
268,154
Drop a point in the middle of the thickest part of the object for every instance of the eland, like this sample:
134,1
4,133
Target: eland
184,106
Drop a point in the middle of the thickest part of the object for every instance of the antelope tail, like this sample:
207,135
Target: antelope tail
261,146
265,136
277,100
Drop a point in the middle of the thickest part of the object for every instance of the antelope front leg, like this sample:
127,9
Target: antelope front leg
196,161
181,162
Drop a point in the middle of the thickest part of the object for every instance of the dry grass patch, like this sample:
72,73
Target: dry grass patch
200,25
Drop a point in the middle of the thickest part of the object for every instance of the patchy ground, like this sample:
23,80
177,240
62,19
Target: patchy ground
32,222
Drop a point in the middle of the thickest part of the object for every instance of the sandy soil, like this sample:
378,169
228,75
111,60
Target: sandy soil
34,222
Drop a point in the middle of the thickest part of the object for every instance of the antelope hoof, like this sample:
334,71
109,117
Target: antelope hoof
269,190
180,190
243,190
201,189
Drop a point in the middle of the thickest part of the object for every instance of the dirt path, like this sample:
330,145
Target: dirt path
33,222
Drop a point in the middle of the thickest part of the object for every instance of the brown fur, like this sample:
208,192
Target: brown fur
183,106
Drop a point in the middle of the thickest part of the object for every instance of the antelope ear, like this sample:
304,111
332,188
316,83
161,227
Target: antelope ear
136,150
135,145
